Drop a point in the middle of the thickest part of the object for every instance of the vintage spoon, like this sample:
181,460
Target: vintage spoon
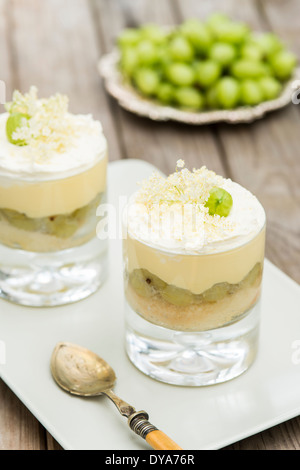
81,372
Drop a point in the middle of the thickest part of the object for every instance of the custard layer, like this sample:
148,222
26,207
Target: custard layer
58,196
195,273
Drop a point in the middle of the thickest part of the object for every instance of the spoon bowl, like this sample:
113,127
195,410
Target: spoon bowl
80,371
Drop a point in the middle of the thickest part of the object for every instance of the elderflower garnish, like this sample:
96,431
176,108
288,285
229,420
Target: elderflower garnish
44,125
182,187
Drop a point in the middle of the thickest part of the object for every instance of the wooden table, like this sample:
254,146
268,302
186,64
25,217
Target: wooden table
55,45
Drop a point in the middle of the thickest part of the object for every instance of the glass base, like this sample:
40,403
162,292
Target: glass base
192,358
52,279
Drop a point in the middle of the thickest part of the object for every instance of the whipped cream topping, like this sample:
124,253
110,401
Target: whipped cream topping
58,143
170,213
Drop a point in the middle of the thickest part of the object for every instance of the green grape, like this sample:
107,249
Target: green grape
154,33
283,64
251,52
147,80
231,32
212,98
268,43
129,60
219,202
222,53
208,72
251,93
228,92
216,20
14,121
180,49
129,37
165,93
245,68
146,52
189,97
163,56
270,87
198,34
180,74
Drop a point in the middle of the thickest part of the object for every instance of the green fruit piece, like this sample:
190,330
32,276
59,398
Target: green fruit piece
252,276
154,33
198,34
146,283
208,72
217,292
180,74
231,32
129,37
251,51
146,80
14,121
283,64
189,98
129,60
63,226
222,53
268,43
251,93
215,22
246,68
219,202
177,296
138,282
165,93
228,92
146,52
270,87
180,49
212,98
21,221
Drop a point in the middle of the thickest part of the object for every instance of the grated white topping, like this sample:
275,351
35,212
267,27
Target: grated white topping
170,213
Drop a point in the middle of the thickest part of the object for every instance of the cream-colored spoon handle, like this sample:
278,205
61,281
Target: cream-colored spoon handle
158,440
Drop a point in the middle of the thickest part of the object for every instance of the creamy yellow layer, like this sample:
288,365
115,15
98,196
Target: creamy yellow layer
53,197
196,273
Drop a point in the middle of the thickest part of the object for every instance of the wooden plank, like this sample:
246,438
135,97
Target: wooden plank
159,143
19,430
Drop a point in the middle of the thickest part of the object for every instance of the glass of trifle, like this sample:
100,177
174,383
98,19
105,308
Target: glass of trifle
193,248
53,168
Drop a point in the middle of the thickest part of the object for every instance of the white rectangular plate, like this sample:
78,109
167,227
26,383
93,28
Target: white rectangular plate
196,418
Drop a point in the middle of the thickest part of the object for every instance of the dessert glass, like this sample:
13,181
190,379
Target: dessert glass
193,301
50,187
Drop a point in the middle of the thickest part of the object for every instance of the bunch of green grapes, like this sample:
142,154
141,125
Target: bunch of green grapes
216,64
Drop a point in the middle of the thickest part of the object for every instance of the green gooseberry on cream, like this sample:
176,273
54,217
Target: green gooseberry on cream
219,202
14,121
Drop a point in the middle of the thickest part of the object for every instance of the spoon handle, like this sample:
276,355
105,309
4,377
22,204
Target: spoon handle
157,439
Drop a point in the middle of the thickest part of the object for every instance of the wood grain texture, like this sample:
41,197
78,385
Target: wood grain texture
56,44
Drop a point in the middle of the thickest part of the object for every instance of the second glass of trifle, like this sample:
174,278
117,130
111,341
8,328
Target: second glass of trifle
52,179
193,262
